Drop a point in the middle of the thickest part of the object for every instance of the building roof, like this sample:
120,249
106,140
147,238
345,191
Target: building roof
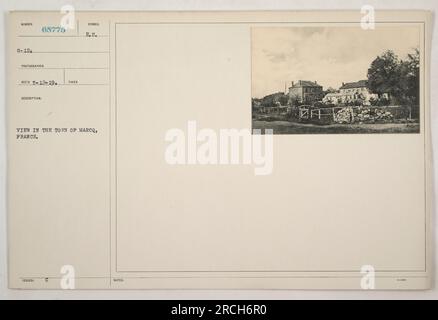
333,94
352,85
305,83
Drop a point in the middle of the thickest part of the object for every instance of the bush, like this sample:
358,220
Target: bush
380,102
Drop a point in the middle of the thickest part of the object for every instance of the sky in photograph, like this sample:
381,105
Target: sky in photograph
329,55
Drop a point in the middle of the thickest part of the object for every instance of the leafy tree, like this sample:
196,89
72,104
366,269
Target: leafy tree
268,101
329,90
410,69
398,78
383,74
294,101
255,103
272,99
283,99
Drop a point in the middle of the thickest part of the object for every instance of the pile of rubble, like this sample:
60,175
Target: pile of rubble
382,115
343,115
361,115
365,116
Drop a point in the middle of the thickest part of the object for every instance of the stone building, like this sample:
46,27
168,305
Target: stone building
351,92
305,91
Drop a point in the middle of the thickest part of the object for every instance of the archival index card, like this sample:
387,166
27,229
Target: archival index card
252,150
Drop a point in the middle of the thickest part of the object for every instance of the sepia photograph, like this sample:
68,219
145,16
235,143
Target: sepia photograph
316,80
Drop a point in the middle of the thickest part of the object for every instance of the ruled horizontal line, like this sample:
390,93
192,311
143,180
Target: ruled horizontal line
69,52
221,277
62,36
264,22
57,85
62,68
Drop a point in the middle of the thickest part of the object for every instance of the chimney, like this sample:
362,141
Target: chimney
343,84
316,82
292,83
299,82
